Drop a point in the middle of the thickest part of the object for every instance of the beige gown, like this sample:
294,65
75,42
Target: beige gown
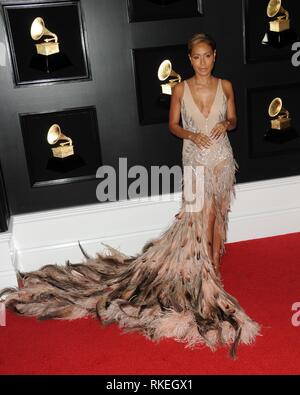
170,289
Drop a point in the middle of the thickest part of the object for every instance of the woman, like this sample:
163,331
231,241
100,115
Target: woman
171,289
208,112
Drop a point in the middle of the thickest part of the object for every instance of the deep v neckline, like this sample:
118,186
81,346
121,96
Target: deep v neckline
213,103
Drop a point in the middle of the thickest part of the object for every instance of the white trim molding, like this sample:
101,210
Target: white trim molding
261,209
7,261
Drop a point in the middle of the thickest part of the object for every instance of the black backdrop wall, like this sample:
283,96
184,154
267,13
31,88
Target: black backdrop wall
4,212
111,90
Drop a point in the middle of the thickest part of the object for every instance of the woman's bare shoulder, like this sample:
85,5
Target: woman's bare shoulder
227,86
178,89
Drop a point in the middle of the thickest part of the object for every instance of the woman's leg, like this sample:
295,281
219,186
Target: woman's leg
214,237
217,240
210,229
224,179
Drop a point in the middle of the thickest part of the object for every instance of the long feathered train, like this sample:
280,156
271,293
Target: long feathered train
170,289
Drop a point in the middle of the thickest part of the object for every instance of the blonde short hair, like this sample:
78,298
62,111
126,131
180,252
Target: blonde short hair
201,38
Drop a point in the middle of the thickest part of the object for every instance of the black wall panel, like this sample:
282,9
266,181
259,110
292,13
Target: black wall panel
4,210
110,40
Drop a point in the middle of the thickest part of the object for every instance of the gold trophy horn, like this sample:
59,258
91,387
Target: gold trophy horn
49,46
164,72
283,120
282,22
54,136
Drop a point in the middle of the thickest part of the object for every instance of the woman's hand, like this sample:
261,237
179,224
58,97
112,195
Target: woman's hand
219,130
201,140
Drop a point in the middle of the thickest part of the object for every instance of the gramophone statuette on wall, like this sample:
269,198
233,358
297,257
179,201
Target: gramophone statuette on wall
49,45
281,131
282,120
279,33
165,71
282,22
64,149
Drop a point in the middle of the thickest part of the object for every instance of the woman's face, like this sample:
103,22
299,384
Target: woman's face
202,58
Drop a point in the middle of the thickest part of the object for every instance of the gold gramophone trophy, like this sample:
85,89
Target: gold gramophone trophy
54,136
282,22
279,33
282,120
49,46
165,71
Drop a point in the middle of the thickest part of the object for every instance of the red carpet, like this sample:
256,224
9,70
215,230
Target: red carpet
263,274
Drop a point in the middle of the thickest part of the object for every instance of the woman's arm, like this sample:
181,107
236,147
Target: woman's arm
231,110
231,119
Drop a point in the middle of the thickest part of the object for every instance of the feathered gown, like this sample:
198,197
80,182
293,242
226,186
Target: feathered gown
170,289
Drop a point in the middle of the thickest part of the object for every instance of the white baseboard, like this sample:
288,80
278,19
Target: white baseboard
261,209
265,208
8,279
7,261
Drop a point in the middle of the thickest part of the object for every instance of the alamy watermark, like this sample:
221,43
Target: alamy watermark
192,181
296,316
296,55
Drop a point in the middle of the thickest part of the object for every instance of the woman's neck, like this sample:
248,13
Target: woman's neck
203,80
